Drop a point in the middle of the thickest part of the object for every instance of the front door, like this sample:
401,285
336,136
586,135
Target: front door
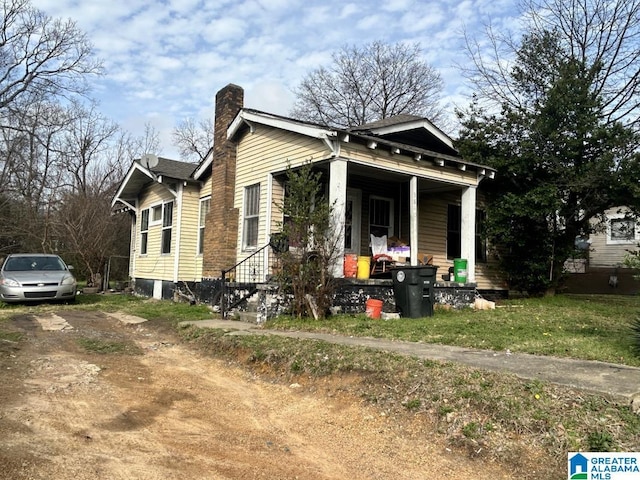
352,221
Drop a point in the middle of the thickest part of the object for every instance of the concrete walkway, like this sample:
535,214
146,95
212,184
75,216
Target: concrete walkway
617,381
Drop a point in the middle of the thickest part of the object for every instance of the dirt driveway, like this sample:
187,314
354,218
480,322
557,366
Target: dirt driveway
158,410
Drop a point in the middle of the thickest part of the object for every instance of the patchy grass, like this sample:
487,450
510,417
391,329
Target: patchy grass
489,415
131,304
584,327
93,345
528,425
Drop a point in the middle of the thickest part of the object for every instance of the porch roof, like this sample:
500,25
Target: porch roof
409,135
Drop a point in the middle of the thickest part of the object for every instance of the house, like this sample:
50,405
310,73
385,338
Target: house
400,177
601,270
609,245
168,201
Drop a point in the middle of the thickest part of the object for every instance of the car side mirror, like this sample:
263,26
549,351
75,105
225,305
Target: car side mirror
69,267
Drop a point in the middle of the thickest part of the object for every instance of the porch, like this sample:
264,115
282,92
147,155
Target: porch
248,290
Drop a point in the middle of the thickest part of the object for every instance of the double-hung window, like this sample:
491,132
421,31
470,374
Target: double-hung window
251,216
167,227
144,231
205,206
381,216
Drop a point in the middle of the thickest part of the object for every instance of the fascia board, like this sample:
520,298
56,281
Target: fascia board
280,123
427,125
136,167
202,168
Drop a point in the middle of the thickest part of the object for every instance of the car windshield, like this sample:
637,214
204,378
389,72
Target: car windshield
23,264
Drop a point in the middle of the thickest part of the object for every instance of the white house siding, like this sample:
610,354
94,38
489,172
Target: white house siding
268,150
603,254
154,265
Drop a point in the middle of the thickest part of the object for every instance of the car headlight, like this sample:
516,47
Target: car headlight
9,282
68,281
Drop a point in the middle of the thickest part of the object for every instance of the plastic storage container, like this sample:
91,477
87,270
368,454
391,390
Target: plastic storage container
460,270
364,267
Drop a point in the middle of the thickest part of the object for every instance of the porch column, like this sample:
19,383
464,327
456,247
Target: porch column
413,219
338,199
468,231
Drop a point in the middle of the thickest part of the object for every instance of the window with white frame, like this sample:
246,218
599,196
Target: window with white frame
622,230
156,214
251,216
205,206
167,227
144,231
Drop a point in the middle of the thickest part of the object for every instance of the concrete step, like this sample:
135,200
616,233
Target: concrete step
248,317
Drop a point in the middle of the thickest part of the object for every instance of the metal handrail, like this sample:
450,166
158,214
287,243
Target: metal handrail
252,270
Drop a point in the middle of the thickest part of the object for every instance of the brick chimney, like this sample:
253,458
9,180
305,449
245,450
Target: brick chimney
221,227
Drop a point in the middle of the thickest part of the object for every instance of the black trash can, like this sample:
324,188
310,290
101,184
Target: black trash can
413,290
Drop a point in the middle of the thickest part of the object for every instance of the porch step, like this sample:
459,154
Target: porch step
248,317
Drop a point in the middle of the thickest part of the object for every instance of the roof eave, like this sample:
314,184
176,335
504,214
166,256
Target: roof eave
249,118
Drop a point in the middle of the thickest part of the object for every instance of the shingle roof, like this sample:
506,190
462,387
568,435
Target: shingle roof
174,169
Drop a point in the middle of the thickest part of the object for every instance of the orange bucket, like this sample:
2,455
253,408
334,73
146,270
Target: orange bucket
373,308
350,265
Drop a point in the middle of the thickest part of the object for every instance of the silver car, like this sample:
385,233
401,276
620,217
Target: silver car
36,276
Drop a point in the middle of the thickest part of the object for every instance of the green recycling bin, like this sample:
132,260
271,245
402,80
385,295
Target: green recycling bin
413,290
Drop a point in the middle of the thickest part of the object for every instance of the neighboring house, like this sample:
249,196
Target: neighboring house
609,246
400,177
601,270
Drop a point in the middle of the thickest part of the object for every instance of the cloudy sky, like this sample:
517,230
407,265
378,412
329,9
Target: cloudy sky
165,59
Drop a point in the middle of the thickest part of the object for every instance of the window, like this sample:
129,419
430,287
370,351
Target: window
481,237
381,216
144,231
454,224
251,216
621,230
205,206
167,226
454,238
156,214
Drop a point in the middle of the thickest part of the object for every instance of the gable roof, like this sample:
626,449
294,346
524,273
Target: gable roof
410,135
173,169
409,130
140,176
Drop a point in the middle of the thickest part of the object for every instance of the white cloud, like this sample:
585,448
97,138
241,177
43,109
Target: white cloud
165,59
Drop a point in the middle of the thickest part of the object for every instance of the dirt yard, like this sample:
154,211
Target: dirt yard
158,410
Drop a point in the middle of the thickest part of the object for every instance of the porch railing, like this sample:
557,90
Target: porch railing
245,276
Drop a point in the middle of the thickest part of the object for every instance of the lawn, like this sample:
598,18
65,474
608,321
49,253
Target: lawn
496,416
578,326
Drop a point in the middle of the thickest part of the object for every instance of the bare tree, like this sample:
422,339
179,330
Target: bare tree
194,139
88,144
96,151
40,55
368,83
602,35
149,142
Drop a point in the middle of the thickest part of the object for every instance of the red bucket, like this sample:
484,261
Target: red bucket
373,308
350,265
